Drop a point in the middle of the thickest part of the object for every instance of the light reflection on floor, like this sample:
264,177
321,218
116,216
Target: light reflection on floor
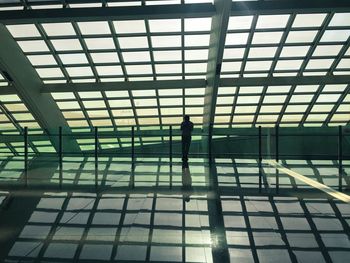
158,213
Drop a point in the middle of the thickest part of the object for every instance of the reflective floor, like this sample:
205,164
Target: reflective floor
161,213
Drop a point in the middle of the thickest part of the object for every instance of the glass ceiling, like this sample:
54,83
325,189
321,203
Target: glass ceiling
284,45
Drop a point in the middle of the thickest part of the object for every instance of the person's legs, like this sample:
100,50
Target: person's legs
187,147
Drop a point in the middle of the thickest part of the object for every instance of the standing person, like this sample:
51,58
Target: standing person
186,128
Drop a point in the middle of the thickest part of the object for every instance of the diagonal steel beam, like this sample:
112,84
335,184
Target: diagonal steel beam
27,84
216,50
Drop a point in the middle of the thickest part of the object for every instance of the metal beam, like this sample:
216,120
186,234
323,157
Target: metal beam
127,85
106,13
278,81
27,84
216,50
191,83
288,6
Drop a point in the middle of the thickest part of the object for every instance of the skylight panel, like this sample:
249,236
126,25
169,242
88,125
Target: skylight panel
288,64
316,117
262,52
98,113
239,119
344,63
130,26
250,89
138,69
94,28
306,88
272,21
90,94
147,112
66,44
248,99
92,104
171,111
328,98
28,30
292,118
195,91
236,39
171,55
117,94
245,109
296,108
105,57
33,46
109,70
230,53
170,92
301,36
67,105
59,29
195,67
327,50
231,66
267,37
270,108
143,93
170,101
226,90
39,60
301,98
319,63
274,99
120,103
240,22
50,72
79,71
308,20
340,19
145,102
258,65
165,25
99,43
295,51
139,56
133,42
68,59
335,36
199,54
125,122
197,40
123,113
227,100
334,88
198,24
168,68
267,118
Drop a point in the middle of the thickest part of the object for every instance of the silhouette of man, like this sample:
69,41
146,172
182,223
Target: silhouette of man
186,128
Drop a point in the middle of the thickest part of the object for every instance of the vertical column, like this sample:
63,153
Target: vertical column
340,157
210,135
132,145
171,154
260,160
60,154
96,156
277,157
26,156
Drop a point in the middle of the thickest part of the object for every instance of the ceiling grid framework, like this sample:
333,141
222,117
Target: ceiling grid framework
93,57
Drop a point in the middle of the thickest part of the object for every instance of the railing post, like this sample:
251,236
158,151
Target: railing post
277,157
171,145
96,156
260,160
60,152
340,157
132,145
26,156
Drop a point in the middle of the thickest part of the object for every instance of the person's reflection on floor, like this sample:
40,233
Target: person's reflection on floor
186,184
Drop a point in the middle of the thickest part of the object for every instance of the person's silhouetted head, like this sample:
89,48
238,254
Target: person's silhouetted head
186,118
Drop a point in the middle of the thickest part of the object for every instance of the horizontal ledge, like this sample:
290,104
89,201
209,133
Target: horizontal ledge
279,81
127,85
107,13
